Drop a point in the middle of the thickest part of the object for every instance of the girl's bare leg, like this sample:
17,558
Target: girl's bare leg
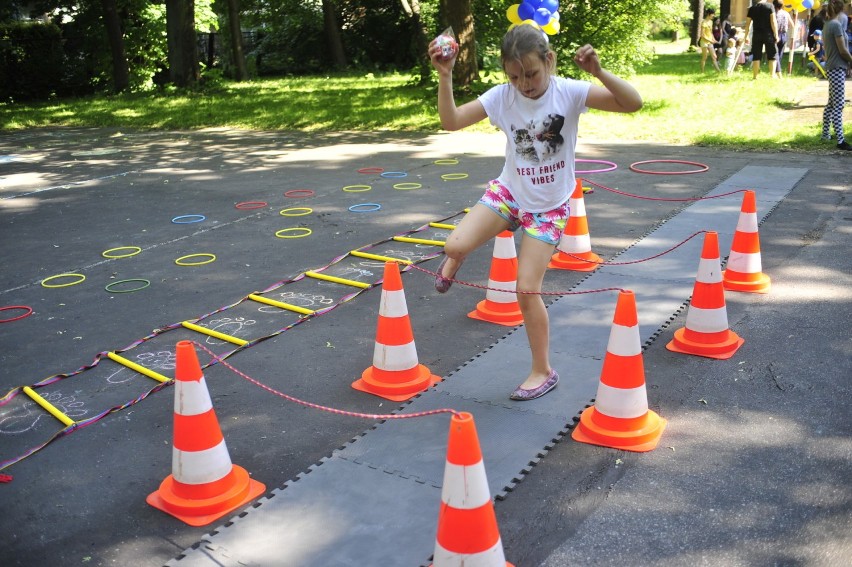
532,265
477,227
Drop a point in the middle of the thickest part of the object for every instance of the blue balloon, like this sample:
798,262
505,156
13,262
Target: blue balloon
551,5
808,4
542,16
526,11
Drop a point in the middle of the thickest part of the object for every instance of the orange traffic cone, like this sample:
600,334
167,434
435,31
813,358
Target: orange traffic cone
743,271
575,244
395,374
501,307
620,418
467,525
706,332
204,485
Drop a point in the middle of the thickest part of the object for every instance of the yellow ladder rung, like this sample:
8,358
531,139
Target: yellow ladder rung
320,276
52,409
442,225
214,334
138,367
378,257
418,240
281,304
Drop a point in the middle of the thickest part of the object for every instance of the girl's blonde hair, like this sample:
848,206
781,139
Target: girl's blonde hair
524,41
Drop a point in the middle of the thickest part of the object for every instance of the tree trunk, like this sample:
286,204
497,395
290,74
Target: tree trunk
420,40
180,36
697,15
120,69
332,34
237,40
458,14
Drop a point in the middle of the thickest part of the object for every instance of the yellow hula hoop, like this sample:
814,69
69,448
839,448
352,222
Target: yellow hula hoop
446,162
135,250
357,188
291,212
180,261
407,186
454,176
67,275
280,233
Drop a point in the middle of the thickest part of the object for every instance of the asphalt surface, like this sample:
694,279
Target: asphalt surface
753,469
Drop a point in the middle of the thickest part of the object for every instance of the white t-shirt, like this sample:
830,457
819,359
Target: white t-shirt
541,136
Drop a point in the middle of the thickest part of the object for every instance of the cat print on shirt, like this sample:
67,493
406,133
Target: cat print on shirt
540,140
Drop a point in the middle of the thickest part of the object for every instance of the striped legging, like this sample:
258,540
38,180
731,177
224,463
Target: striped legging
832,114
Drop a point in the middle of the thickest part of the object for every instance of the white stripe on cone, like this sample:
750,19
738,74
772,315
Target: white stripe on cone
625,403
465,487
393,304
201,467
624,341
747,222
504,248
492,557
575,243
745,263
709,271
501,296
707,320
394,358
192,397
577,206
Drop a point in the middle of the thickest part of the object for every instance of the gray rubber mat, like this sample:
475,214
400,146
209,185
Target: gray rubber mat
377,498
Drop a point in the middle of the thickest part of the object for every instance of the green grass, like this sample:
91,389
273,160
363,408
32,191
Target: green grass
682,106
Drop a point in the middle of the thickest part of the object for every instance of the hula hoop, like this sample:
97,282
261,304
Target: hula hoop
188,219
395,174
249,205
407,186
357,188
296,193
180,261
359,208
81,280
145,283
135,250
8,307
611,165
454,176
701,167
289,212
369,170
280,233
446,162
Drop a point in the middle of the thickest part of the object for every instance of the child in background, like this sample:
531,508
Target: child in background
731,55
707,41
818,53
539,114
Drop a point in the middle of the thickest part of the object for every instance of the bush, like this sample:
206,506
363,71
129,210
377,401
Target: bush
31,61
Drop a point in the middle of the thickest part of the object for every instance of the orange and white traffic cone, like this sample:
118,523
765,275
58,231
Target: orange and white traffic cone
574,251
706,332
204,484
620,418
743,270
501,307
467,525
396,373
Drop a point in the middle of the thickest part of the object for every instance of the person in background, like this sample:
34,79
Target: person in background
818,53
837,60
761,24
784,23
707,41
816,22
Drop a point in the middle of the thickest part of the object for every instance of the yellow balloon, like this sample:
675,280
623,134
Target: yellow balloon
551,27
816,6
512,14
532,23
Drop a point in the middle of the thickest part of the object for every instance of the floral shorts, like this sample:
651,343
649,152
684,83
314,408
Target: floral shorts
546,226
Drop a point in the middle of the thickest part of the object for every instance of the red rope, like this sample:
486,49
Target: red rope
617,192
318,406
